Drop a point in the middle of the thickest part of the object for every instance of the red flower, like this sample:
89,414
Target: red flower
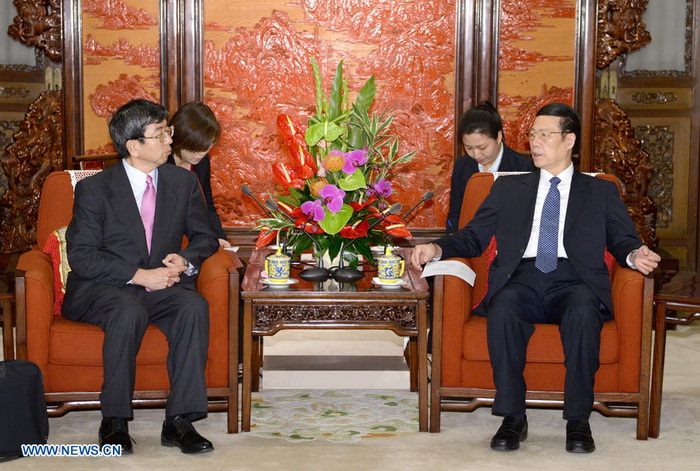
265,238
356,206
286,176
288,127
302,160
359,229
394,225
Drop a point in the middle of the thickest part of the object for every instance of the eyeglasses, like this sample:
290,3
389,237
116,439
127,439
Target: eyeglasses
167,130
544,135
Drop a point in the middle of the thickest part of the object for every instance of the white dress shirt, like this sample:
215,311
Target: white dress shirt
495,165
564,188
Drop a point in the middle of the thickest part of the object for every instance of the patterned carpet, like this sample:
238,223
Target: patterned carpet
334,416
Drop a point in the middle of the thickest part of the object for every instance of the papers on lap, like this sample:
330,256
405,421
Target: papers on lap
449,267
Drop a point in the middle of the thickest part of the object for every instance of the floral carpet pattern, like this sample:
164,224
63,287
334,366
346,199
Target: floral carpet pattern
335,416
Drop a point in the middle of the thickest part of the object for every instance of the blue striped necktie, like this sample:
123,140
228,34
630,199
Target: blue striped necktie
547,243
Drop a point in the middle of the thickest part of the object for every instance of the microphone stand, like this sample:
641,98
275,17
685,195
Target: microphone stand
246,189
426,196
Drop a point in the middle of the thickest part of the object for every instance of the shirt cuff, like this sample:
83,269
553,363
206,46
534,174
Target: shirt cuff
191,269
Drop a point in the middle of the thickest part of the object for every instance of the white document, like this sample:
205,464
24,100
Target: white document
449,267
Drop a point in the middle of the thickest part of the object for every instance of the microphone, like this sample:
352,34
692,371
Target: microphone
246,189
426,196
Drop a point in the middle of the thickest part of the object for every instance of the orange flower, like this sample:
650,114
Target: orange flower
316,185
334,161
265,238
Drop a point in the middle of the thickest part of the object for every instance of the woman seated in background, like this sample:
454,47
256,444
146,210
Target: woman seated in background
196,132
481,132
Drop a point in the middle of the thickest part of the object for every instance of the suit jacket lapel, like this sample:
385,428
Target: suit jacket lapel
127,211
166,201
577,199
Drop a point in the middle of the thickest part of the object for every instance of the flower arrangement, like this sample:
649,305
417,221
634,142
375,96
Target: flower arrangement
336,184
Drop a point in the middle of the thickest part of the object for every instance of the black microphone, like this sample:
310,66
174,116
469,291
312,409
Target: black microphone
246,189
426,196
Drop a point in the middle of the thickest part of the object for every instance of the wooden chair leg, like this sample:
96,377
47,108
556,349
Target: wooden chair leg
7,324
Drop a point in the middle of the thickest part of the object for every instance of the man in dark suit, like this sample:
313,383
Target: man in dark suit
128,270
552,227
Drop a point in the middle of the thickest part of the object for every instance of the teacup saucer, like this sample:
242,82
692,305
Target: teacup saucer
384,284
285,284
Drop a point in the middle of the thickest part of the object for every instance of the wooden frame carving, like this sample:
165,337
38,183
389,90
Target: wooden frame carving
688,56
620,29
619,152
37,151
38,24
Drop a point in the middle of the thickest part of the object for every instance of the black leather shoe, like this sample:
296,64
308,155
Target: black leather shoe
181,433
115,431
511,432
579,438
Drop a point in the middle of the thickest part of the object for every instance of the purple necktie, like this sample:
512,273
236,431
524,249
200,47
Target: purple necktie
148,210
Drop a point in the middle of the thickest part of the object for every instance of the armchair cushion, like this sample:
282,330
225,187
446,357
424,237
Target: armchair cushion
55,247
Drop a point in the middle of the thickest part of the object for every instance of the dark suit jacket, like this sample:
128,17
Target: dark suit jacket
203,172
596,219
106,241
463,170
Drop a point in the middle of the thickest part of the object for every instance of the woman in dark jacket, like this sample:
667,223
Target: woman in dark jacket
481,132
196,132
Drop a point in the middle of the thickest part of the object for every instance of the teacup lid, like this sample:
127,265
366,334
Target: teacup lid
388,255
278,255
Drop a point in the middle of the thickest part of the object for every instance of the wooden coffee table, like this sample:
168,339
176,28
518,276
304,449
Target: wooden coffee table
681,295
330,305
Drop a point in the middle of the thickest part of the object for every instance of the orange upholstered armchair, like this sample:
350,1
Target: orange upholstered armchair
462,378
70,353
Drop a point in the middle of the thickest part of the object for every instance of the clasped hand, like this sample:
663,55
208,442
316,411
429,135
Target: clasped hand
162,277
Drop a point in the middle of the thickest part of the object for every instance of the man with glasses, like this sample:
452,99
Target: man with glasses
128,270
552,227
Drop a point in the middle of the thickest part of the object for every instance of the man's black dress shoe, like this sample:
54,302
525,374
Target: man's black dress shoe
181,433
511,432
115,431
579,438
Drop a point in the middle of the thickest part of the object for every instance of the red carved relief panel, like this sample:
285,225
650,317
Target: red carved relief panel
535,61
257,65
121,61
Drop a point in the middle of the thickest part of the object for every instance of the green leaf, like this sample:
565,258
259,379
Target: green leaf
290,200
332,131
319,88
296,194
314,133
336,92
334,222
353,181
366,95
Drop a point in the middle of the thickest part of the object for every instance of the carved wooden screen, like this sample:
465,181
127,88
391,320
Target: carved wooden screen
120,62
257,64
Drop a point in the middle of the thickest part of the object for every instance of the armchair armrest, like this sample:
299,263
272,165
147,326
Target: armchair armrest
34,287
448,321
628,297
218,282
